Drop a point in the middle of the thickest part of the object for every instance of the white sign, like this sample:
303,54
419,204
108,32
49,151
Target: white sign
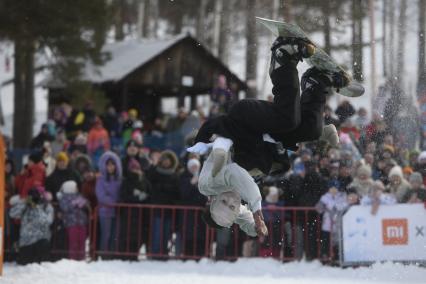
187,81
395,233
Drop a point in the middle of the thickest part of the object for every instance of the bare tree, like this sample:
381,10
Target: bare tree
287,6
384,33
402,30
421,82
251,49
218,8
200,24
326,26
119,6
357,60
225,30
146,18
391,45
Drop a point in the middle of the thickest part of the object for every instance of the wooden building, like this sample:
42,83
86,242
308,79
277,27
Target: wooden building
142,72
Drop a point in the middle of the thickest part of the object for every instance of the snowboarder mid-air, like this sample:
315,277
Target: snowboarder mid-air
257,132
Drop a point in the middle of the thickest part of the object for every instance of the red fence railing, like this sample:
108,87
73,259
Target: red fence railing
133,232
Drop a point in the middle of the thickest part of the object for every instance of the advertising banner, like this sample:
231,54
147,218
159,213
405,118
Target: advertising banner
395,233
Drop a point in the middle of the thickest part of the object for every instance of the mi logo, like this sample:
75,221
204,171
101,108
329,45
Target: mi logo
395,231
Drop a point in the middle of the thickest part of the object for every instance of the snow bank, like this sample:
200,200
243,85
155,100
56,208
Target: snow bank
245,271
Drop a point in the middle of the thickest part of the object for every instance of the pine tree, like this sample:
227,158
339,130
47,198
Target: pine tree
73,31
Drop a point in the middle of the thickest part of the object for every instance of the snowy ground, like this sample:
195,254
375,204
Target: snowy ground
245,271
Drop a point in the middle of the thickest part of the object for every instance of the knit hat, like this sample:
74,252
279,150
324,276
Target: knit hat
422,157
193,162
69,186
133,112
221,213
364,170
62,157
396,171
416,177
273,195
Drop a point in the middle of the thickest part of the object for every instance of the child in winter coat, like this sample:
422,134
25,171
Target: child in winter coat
331,205
36,215
134,222
398,185
108,192
75,209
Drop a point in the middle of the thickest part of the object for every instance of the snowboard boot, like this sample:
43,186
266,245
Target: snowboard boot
329,134
314,78
219,160
292,49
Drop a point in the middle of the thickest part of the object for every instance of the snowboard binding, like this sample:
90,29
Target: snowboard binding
296,48
326,79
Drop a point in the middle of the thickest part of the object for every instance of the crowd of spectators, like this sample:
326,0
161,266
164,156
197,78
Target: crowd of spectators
80,160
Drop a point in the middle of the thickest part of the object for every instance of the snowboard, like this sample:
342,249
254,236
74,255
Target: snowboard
320,59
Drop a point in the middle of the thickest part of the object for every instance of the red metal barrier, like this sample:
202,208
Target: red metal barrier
165,231
153,231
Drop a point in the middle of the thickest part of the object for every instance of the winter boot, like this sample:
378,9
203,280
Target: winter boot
221,148
329,134
286,49
314,78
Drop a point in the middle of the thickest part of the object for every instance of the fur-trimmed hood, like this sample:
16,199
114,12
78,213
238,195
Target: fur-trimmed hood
172,156
82,158
109,155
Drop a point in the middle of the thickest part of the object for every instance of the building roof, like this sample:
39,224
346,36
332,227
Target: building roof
127,56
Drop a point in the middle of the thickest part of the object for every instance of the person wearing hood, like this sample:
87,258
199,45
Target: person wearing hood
190,196
362,182
61,174
274,219
108,186
33,174
330,205
11,226
43,136
82,165
398,185
417,193
165,191
36,215
75,209
134,222
420,166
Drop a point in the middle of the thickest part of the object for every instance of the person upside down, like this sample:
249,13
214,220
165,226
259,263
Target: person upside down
252,139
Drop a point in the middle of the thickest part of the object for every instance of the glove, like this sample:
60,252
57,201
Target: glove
15,200
259,223
136,192
200,148
142,196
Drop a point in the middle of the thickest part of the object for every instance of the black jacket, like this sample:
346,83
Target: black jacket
58,177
